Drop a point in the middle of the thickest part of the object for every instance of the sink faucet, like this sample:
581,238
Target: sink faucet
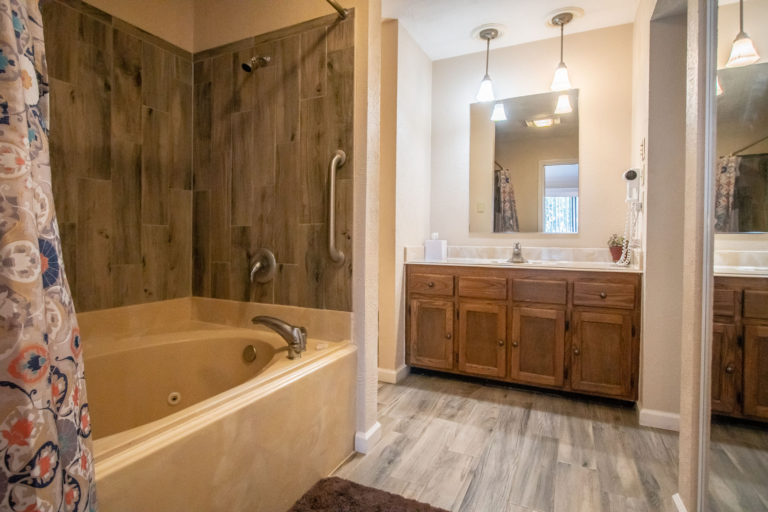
296,337
517,254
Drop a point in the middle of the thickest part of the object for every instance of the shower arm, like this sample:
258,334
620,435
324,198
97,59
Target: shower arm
343,13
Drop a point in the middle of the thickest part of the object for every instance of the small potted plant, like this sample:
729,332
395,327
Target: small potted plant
616,246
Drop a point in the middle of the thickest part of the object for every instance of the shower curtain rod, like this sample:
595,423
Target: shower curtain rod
747,147
343,13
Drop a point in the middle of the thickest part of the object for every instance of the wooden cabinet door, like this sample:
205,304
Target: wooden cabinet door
431,333
537,346
756,371
483,338
724,368
601,357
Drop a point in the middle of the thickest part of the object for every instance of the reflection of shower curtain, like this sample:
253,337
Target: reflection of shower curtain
505,211
45,447
726,218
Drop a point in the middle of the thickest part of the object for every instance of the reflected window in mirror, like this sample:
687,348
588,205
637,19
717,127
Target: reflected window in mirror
560,191
741,181
524,171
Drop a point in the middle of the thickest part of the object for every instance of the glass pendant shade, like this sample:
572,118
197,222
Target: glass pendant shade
561,81
498,113
718,87
485,93
563,105
743,52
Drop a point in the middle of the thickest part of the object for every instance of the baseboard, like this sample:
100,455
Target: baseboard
364,441
660,419
394,376
678,501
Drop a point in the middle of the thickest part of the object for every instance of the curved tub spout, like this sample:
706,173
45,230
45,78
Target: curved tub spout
295,337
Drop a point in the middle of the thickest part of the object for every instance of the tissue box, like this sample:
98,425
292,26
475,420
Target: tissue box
435,250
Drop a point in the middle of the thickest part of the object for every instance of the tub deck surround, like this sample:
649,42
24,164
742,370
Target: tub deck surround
241,424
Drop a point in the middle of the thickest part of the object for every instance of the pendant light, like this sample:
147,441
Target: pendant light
498,113
485,93
561,81
743,51
563,104
718,88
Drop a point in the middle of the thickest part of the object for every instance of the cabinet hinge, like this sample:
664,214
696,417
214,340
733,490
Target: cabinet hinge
567,325
632,382
409,309
456,358
565,376
633,331
740,340
740,398
457,314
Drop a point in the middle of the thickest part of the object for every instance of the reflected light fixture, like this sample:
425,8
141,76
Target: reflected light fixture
545,122
485,93
743,51
563,104
718,88
561,81
498,113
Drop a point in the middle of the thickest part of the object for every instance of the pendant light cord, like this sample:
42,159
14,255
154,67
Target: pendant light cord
487,53
562,26
741,16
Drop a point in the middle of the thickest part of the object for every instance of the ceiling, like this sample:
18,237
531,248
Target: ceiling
443,28
537,106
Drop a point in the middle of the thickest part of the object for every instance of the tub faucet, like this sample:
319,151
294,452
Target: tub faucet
296,337
517,254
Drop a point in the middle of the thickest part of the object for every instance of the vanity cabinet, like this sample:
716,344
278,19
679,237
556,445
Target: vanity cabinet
570,330
740,347
431,333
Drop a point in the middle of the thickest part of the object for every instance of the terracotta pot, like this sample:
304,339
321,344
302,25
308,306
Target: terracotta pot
616,252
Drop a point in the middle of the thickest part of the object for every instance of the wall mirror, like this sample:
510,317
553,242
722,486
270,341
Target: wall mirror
524,171
741,184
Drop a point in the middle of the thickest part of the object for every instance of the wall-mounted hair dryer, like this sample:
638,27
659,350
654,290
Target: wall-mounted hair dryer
634,207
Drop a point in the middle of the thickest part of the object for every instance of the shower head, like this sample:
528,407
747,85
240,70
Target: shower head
255,62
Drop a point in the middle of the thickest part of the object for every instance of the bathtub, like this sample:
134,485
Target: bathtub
181,422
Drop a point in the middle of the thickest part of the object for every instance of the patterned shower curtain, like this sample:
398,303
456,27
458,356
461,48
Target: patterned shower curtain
726,218
45,445
505,214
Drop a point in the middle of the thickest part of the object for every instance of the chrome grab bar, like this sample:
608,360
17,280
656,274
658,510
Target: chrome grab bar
339,157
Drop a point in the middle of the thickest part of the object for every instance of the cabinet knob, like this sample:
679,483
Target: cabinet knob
603,295
514,344
500,342
576,351
431,284
448,335
730,369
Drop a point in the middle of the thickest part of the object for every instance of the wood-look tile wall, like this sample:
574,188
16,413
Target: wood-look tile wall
121,157
262,144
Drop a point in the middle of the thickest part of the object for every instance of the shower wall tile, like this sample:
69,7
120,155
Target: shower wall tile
121,157
262,144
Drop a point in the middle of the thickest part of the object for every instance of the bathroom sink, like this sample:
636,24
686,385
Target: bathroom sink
740,270
533,263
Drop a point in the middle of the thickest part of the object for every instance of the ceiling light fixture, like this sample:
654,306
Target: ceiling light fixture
485,93
743,51
561,81
542,123
498,113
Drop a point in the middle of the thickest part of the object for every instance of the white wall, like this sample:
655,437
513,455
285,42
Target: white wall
600,63
410,204
665,182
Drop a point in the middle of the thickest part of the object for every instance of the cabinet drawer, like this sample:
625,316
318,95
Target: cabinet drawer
756,304
430,284
483,287
610,295
724,302
539,290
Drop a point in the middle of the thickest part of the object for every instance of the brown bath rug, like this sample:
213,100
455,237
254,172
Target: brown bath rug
339,495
